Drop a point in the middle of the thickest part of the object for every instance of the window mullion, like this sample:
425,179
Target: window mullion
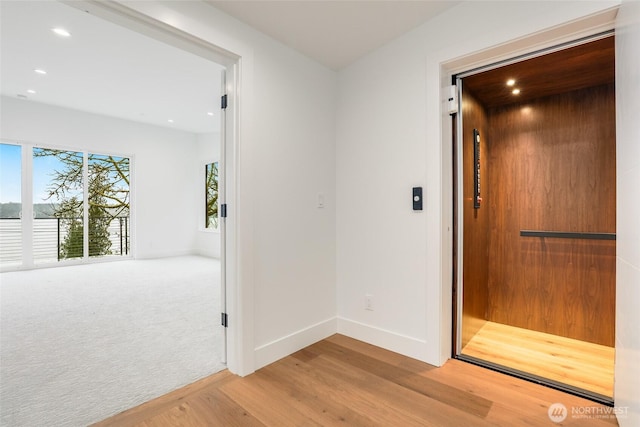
85,205
26,194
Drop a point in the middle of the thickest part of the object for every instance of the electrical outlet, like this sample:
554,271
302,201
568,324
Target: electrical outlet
368,302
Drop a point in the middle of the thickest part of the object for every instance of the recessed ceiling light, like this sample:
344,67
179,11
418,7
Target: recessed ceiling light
209,113
31,91
515,91
61,32
511,82
170,120
40,71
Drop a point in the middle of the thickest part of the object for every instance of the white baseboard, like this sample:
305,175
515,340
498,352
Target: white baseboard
388,340
165,254
289,344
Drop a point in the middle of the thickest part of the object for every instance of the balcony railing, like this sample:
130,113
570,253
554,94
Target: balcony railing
49,235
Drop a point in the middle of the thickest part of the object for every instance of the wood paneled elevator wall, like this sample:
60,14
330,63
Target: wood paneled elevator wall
552,167
547,164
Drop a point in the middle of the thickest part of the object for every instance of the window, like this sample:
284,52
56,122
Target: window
108,205
10,205
80,206
58,205
211,186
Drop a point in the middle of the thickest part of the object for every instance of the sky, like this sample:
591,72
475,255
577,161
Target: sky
10,171
10,166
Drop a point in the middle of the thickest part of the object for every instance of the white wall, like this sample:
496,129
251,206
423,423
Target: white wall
208,149
165,197
627,383
390,135
284,297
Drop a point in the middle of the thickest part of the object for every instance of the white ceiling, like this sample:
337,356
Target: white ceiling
334,32
104,68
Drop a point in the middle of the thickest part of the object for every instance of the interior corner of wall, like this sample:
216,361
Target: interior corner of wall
282,347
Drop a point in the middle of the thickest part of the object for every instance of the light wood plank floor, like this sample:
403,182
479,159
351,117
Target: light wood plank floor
341,381
577,363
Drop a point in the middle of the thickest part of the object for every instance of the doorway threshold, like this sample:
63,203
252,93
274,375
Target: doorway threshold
595,397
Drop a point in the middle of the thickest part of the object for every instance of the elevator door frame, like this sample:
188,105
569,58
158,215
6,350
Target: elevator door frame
458,226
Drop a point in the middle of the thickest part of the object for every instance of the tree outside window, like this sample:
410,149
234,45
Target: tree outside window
211,186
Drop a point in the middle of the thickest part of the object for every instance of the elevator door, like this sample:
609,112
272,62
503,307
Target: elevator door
536,226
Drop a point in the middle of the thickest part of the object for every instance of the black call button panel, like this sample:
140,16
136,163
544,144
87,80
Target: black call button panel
417,198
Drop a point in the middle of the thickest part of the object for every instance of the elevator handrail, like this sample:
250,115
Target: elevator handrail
568,235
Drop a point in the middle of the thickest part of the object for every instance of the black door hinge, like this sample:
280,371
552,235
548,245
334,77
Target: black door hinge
225,320
223,210
223,102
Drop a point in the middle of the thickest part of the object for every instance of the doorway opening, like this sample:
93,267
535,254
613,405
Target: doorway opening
222,151
122,313
535,174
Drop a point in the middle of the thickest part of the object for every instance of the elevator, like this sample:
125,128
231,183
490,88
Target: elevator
535,217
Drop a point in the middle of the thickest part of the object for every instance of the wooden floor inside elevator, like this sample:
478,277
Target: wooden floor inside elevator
577,363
